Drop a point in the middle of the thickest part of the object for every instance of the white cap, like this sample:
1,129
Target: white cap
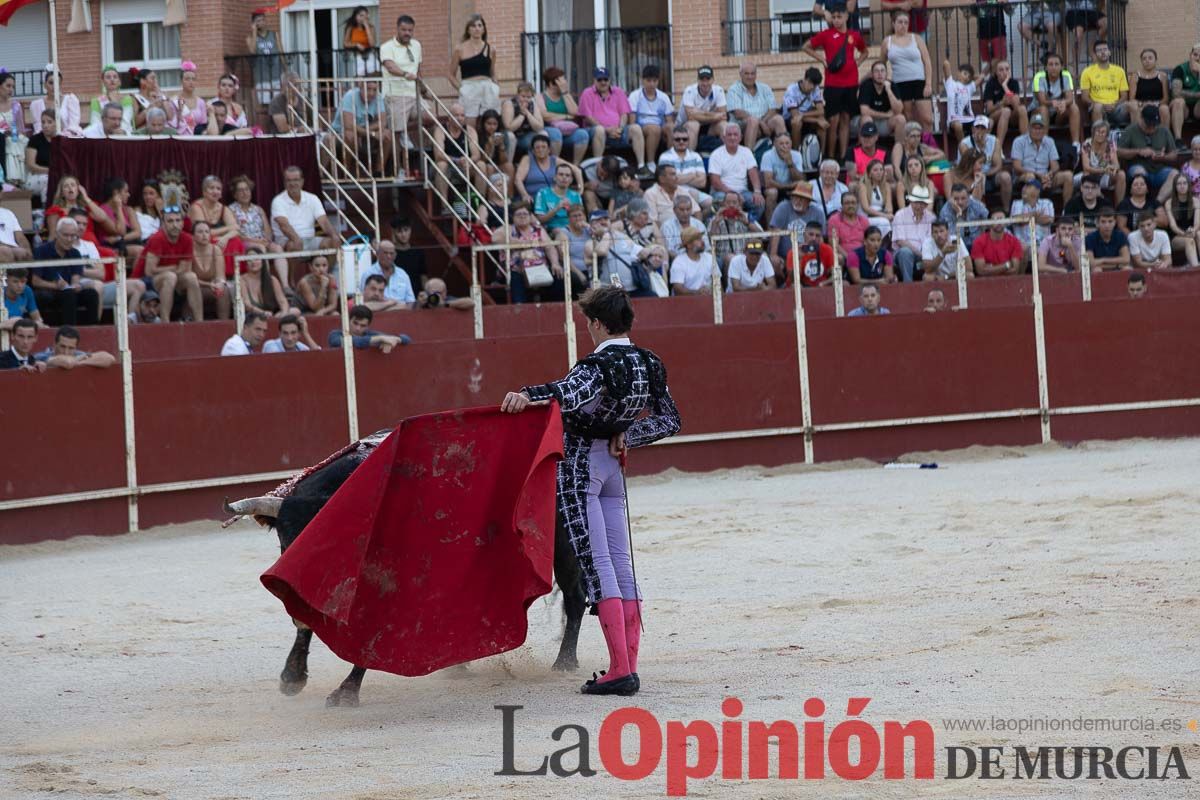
982,122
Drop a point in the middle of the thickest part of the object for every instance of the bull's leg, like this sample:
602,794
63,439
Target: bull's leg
566,572
295,670
347,693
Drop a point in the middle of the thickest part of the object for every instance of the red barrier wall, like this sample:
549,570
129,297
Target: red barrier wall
206,417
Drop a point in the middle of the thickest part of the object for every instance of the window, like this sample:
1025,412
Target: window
134,36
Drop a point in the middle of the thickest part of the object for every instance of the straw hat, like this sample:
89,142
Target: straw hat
803,189
690,235
919,194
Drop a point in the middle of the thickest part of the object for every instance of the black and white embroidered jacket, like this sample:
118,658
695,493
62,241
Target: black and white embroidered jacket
605,394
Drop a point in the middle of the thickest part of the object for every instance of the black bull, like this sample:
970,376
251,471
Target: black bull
290,516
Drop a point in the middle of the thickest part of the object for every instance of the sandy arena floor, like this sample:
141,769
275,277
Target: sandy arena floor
1044,582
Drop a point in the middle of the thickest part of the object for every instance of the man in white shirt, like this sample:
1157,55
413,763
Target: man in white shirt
652,110
688,164
666,190
13,244
750,270
681,219
732,168
290,335
401,61
1149,247
254,330
112,117
399,286
703,107
941,255
297,215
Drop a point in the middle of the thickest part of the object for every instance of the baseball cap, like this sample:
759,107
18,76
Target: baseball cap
148,295
868,129
599,213
982,122
1034,182
1037,119
600,73
1151,115
704,72
754,246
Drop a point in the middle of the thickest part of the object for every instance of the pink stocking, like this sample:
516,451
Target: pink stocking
612,622
633,630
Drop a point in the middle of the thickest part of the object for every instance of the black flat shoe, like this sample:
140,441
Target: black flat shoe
621,686
637,682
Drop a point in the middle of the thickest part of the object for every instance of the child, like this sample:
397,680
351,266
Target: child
804,104
960,92
628,188
318,289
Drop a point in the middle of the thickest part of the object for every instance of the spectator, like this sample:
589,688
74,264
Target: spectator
262,41
878,104
1086,204
868,302
969,172
983,142
110,94
37,155
782,169
399,285
358,36
254,330
318,290
992,32
1032,206
839,44
496,169
913,174
732,168
296,215
62,288
13,244
688,164
1148,147
1149,248
156,124
1054,97
942,254
262,291
293,337
65,354
849,224
606,110
19,301
1185,89
935,301
1081,17
524,229
1002,101
1099,157
435,295
149,95
19,354
149,210
148,309
1136,286
409,258
804,105
190,108
962,207
558,109
998,252
639,225
1060,253
912,71
692,271
1149,86
475,61
362,121
222,223
875,196
1107,247
374,297
628,189
911,227
865,152
1105,87
107,123
455,149
523,122
910,146
816,260
793,215
1137,203
703,108
577,234
1035,155
622,256
749,270
871,263
361,335
681,220
829,190
961,89
552,202
221,121
538,168
235,113
752,107
401,61
253,227
101,277
653,111
731,220
1183,219
208,263
661,197
119,229
282,112
168,265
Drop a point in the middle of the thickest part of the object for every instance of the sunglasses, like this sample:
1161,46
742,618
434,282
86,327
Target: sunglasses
172,210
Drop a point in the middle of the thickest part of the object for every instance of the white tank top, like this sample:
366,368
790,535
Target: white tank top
906,61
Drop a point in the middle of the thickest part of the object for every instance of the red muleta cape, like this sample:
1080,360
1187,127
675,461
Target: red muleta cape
433,550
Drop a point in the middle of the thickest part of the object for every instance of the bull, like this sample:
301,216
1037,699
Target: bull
300,502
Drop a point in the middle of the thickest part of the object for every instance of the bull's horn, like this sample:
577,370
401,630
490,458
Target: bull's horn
265,506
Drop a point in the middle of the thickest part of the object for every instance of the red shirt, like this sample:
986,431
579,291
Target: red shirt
831,40
991,251
169,254
814,268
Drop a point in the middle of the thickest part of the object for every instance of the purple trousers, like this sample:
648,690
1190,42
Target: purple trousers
592,499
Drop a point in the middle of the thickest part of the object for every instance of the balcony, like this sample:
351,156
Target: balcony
625,51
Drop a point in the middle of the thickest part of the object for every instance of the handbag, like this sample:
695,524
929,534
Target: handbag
839,58
658,284
538,276
565,126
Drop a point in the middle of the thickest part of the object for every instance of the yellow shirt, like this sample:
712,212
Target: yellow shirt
406,57
1104,85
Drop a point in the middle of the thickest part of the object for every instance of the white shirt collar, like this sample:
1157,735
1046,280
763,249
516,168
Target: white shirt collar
624,340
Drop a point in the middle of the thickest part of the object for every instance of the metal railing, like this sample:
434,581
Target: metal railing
952,32
261,76
625,51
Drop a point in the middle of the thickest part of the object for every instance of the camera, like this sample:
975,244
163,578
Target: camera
432,300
